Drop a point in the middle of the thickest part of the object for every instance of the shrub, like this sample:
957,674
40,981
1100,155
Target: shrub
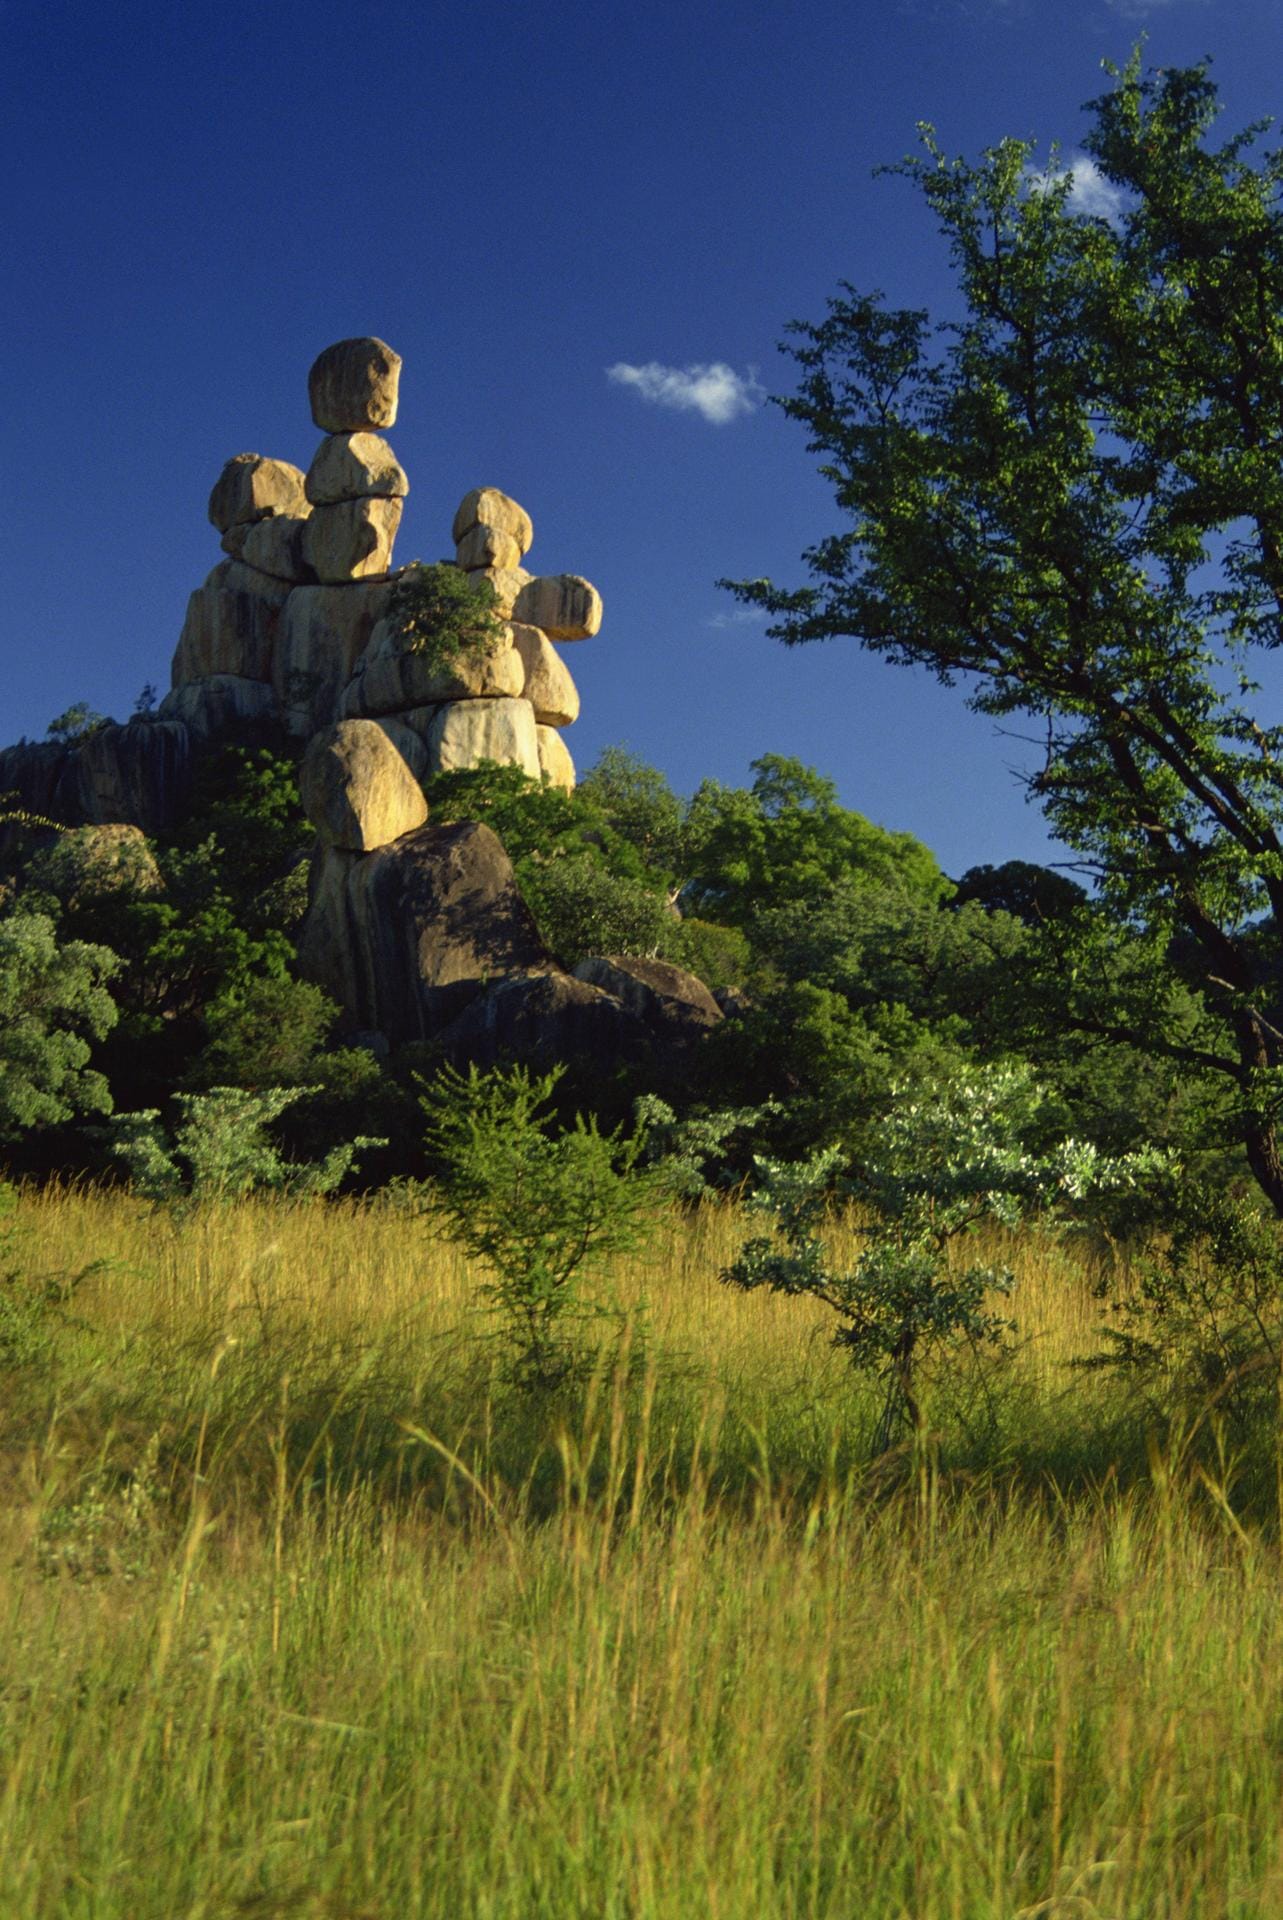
220,1149
945,1162
541,1209
445,615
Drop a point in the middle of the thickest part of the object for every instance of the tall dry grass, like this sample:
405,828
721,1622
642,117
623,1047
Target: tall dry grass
307,1614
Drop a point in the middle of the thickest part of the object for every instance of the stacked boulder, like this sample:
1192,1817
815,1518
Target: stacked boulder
296,628
507,702
421,934
274,632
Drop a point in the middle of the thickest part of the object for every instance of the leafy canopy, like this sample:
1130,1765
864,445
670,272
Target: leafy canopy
53,1002
1072,498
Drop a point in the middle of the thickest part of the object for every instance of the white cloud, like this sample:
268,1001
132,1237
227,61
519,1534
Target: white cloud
1089,191
738,617
716,391
1137,9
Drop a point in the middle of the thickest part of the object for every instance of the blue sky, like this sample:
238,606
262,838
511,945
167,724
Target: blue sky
519,199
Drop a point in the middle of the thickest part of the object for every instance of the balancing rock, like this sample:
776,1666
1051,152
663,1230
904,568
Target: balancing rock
352,539
251,488
223,705
467,731
352,386
275,547
555,763
405,937
323,632
548,685
231,625
391,675
564,605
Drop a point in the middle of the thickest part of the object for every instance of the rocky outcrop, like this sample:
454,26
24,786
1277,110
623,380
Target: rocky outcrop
566,607
555,763
276,547
357,790
231,625
299,632
352,540
547,684
223,707
303,608
487,507
322,634
405,937
139,774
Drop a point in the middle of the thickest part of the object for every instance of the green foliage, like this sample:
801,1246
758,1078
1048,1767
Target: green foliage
445,615
788,839
1198,1317
53,1002
584,882
263,1032
1071,497
692,1151
197,918
944,1163
82,865
77,723
638,804
582,908
219,1149
540,1207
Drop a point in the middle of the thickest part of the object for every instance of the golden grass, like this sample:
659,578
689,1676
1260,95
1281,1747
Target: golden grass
306,1615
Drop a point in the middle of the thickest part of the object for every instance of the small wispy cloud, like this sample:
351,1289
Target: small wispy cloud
738,617
1139,9
1089,191
714,391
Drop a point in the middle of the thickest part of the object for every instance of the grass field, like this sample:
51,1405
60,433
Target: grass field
307,1613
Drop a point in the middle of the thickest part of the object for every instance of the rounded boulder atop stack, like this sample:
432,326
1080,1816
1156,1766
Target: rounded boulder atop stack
251,488
353,386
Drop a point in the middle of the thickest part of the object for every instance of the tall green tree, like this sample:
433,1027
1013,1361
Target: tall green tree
1070,496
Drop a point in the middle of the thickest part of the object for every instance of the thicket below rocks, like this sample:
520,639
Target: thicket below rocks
742,947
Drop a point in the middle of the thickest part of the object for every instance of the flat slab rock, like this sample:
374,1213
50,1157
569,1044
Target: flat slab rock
673,1004
545,1017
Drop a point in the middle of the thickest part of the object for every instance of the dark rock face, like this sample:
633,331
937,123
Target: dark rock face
405,937
542,1018
674,1006
733,1001
139,774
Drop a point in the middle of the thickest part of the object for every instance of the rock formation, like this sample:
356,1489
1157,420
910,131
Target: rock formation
297,627
418,931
